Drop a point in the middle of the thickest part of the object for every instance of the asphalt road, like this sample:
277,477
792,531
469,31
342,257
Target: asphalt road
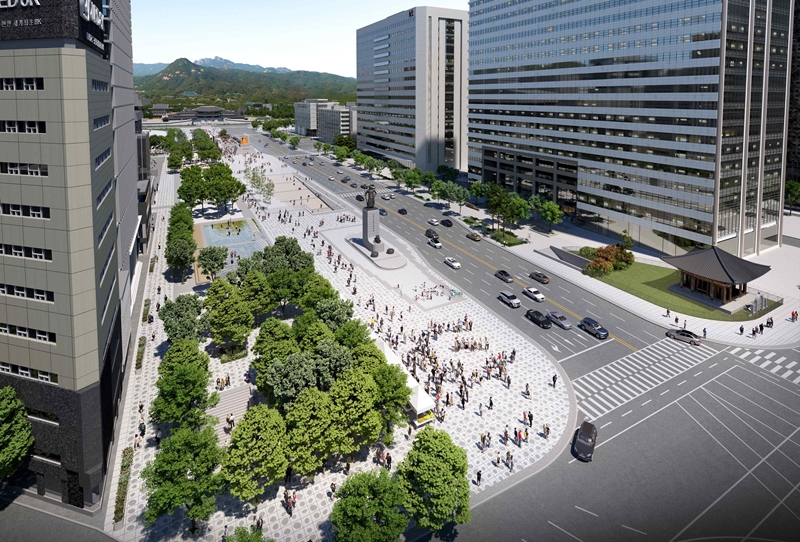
22,523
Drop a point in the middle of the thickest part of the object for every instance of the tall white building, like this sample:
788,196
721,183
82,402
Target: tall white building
336,120
305,115
412,88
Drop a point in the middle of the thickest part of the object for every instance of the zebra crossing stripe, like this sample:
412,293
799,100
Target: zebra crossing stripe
770,355
600,398
744,356
649,378
585,407
755,359
616,393
786,374
796,380
625,385
776,369
618,371
662,371
736,350
765,364
792,364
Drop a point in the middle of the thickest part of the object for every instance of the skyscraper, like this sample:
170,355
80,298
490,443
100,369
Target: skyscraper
411,87
793,150
665,119
68,178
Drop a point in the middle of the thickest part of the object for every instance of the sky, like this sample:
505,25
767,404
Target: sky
314,35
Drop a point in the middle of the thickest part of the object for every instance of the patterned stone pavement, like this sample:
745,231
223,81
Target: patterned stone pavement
309,520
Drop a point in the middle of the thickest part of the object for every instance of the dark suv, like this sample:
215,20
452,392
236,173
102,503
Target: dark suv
592,326
431,233
585,440
539,319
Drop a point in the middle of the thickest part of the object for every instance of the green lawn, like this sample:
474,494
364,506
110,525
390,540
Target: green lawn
508,238
650,283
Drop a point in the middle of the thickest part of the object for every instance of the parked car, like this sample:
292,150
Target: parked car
353,185
452,262
383,212
685,335
474,236
359,197
538,318
447,223
533,293
541,277
431,233
592,326
434,242
505,276
509,299
585,440
433,222
402,211
559,319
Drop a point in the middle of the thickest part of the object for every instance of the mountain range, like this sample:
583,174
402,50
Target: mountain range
216,62
183,75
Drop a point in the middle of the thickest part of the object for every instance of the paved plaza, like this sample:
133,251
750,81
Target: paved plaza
401,290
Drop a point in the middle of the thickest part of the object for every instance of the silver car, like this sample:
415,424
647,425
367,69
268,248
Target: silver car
559,319
685,335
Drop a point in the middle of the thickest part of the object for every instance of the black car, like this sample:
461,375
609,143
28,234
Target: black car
447,222
585,439
353,185
592,326
541,277
505,276
539,319
402,211
347,177
431,233
359,197
305,163
383,212
364,186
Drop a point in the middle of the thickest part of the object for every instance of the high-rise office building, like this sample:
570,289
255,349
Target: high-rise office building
68,178
336,120
412,88
793,150
305,115
666,119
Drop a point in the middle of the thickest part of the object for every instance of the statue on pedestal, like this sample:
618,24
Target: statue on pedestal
370,196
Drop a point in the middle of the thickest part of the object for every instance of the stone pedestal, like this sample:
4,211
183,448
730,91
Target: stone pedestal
371,229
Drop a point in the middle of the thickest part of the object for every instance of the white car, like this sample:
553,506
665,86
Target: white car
331,179
452,262
434,243
533,293
433,222
392,196
386,197
340,172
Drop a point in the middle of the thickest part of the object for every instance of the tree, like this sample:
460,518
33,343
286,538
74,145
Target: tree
517,208
459,194
180,255
274,133
345,140
174,161
224,133
427,177
317,289
412,180
478,190
332,360
352,333
255,124
184,475
447,173
180,318
296,259
334,312
284,379
437,189
255,291
313,433
183,396
496,200
315,332
627,240
257,455
283,136
536,201
182,352
231,321
16,438
211,260
192,188
367,356
353,396
318,146
275,340
552,213
434,476
245,534
340,153
219,291
368,508
393,395
326,148
791,194
294,141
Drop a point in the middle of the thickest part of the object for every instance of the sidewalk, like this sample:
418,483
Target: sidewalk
785,334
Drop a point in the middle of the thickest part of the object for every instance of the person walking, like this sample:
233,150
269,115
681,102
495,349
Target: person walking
158,438
555,379
480,409
483,442
505,436
491,403
667,312
704,333
528,390
137,441
333,489
526,435
388,461
530,419
488,439
547,431
478,477
741,330
497,461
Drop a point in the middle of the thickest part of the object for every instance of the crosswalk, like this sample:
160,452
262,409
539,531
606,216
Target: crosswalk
621,381
784,364
356,192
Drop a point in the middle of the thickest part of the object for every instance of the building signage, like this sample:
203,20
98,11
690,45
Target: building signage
81,20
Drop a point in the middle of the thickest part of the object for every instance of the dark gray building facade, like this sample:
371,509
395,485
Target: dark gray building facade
69,212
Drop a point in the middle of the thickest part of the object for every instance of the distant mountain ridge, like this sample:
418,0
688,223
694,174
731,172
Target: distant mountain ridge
148,69
225,64
275,86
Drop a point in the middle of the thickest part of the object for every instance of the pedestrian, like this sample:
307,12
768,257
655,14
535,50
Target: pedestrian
483,441
142,428
761,329
491,403
137,441
333,489
704,333
480,409
676,321
478,477
158,437
294,499
528,390
227,380
526,434
233,422
741,330
228,420
547,431
409,433
141,406
505,436
684,324
497,461
260,523
555,378
389,461
667,312
530,419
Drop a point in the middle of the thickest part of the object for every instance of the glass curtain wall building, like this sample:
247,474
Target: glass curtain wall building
412,88
666,119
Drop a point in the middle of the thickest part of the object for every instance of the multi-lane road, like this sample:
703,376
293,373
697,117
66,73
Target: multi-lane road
695,442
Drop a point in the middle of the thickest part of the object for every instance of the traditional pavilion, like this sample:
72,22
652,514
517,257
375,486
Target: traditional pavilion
716,273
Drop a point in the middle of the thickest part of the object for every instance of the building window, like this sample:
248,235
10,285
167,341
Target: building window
102,157
24,371
103,193
99,86
105,228
36,212
37,253
17,251
22,332
26,252
15,210
8,83
5,367
99,122
108,299
19,292
10,126
27,333
28,211
13,168
4,329
40,295
105,265
20,83
41,335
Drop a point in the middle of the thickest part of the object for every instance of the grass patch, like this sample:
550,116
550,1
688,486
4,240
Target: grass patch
234,225
140,352
145,310
152,263
474,223
507,238
228,355
651,283
122,488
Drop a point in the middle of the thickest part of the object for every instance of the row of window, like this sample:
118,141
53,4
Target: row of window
23,83
99,122
27,372
23,127
27,333
105,228
28,293
99,86
102,157
27,211
548,113
103,193
18,251
656,57
106,264
111,292
13,168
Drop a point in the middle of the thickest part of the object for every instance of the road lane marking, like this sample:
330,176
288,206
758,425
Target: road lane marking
635,530
589,302
627,413
584,510
484,291
593,314
646,402
713,366
486,281
565,532
632,335
656,338
568,301
602,426
583,351
698,373
663,392
680,383
615,316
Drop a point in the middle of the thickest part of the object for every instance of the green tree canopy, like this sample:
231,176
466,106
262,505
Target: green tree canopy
367,356
184,475
231,321
211,260
294,141
174,161
180,254
285,378
478,190
340,153
353,333
296,259
219,291
318,146
16,438
313,433
332,360
552,213
192,188
393,394
326,148
368,508
434,476
180,317
183,396
334,312
246,534
346,141
353,396
257,456
315,332
275,340
427,177
317,288
791,194
255,291
182,352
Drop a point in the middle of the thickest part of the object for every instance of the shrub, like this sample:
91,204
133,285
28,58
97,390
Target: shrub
145,310
588,252
152,263
122,488
598,267
140,352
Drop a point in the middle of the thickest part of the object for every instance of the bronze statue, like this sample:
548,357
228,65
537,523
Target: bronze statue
370,196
